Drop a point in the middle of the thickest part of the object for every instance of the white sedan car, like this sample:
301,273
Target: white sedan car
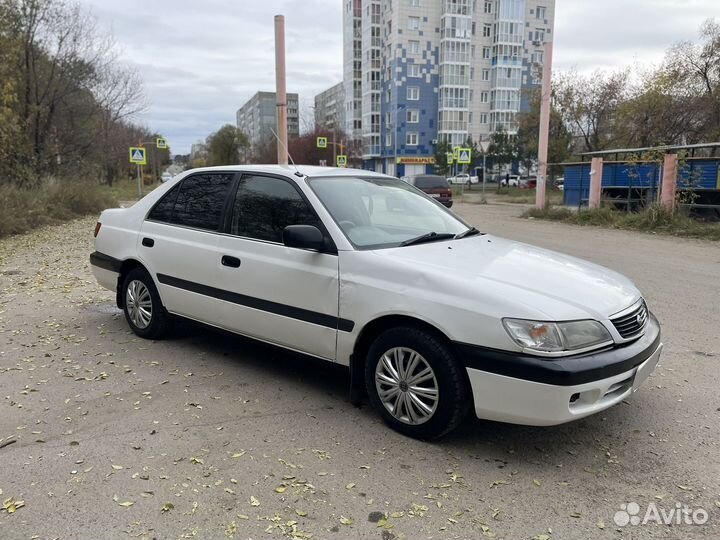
432,317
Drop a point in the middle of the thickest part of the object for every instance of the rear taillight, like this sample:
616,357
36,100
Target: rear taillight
97,229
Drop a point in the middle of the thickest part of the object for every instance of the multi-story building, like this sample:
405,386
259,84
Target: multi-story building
259,116
438,70
330,108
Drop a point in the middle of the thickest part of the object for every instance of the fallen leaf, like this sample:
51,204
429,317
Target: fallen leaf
350,485
280,489
254,501
167,507
536,482
600,525
238,454
345,521
196,460
117,467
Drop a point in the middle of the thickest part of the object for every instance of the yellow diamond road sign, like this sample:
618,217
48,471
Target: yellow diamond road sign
341,160
464,155
161,143
138,155
322,142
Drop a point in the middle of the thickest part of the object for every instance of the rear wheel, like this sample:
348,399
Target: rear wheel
416,384
144,311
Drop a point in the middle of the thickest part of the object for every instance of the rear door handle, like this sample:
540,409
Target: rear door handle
148,242
232,262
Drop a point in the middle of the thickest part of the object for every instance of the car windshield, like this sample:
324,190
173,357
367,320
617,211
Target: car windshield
429,182
383,212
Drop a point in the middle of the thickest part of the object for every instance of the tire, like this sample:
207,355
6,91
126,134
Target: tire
152,321
446,380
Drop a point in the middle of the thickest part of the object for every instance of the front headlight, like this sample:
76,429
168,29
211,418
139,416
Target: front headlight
554,338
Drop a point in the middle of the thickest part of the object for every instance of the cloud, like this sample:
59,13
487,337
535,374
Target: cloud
200,61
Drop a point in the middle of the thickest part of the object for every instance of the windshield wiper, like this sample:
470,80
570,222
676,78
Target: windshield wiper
427,237
472,231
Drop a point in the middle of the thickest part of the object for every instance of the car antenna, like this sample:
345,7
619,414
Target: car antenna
287,151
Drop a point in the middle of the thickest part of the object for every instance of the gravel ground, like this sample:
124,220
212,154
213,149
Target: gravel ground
205,435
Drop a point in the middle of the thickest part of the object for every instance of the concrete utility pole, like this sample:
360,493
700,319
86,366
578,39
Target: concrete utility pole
281,90
544,125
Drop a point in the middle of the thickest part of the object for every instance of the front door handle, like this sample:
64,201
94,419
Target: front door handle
232,262
148,242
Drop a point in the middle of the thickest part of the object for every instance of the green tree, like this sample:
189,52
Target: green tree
560,140
502,149
442,149
224,145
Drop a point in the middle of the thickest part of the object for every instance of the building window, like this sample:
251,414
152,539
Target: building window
483,118
413,70
486,52
415,3
488,7
413,116
540,12
485,74
414,46
483,97
411,138
388,139
413,23
486,30
539,35
413,93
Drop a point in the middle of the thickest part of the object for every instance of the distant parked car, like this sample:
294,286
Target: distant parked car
166,177
435,186
463,179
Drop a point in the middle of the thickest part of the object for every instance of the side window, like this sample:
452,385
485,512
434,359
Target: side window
200,201
162,211
264,206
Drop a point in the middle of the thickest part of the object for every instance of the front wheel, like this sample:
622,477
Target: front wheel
143,309
416,384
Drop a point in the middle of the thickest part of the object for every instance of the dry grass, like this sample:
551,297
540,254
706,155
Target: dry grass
24,210
653,219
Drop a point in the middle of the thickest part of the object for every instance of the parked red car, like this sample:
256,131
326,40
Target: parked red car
435,186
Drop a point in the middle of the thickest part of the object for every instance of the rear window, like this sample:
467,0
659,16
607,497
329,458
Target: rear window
429,182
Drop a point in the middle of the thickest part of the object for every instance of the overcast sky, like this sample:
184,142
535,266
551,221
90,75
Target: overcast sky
200,61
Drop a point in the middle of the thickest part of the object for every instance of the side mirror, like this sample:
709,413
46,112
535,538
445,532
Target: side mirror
303,236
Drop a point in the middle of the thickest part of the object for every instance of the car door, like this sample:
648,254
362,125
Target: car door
283,295
179,241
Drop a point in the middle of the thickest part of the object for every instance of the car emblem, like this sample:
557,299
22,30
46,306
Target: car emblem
641,317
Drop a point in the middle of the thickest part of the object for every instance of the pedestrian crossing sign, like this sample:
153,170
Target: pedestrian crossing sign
138,155
341,160
321,142
464,155
161,143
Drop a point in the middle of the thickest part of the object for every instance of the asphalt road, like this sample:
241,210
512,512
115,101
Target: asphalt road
204,435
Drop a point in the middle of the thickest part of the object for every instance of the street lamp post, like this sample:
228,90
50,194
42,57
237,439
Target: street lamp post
484,146
395,142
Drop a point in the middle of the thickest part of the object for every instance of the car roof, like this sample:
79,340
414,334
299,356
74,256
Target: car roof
313,171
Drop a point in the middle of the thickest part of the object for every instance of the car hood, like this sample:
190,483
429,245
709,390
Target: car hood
526,281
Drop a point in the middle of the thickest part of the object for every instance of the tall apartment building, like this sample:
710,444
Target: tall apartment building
438,70
259,115
330,108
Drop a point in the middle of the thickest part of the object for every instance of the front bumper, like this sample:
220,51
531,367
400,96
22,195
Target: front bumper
523,389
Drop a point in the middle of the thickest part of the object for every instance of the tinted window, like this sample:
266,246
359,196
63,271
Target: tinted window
429,182
200,201
163,209
264,206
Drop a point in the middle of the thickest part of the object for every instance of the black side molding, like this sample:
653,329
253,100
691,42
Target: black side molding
105,261
567,371
305,315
